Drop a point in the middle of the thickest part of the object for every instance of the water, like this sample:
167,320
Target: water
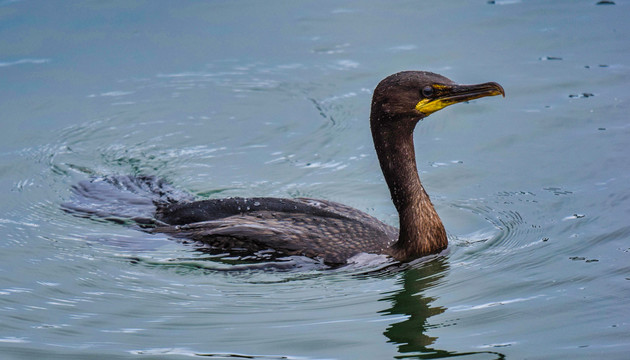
272,98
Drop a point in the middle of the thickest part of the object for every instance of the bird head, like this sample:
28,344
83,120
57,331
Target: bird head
414,95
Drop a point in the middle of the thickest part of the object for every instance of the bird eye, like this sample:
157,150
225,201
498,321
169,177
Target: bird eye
427,91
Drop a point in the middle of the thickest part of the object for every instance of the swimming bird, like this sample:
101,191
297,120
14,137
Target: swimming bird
327,230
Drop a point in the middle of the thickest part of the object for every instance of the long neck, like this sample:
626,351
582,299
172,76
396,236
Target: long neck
421,230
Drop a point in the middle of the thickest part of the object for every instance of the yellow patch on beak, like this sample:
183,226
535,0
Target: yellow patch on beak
429,106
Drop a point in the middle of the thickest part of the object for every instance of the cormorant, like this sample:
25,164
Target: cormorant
324,229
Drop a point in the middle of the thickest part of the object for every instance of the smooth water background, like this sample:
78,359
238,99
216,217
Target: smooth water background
271,98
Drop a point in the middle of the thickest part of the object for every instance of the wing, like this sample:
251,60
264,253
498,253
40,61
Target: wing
307,227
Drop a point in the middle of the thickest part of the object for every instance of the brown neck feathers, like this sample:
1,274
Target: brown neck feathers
421,230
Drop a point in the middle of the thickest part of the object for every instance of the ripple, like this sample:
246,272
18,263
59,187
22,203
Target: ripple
282,270
498,226
14,340
271,271
226,356
492,304
24,61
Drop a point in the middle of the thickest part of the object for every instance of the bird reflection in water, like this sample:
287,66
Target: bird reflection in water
411,334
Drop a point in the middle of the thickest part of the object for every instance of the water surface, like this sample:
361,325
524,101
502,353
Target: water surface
247,98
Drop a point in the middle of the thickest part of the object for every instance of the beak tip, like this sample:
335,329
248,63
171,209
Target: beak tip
499,89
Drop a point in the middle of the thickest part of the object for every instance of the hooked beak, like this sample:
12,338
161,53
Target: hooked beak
445,95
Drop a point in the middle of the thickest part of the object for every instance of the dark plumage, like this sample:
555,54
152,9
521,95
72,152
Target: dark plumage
320,228
308,227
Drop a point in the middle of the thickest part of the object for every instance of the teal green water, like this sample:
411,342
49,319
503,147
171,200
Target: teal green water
251,98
